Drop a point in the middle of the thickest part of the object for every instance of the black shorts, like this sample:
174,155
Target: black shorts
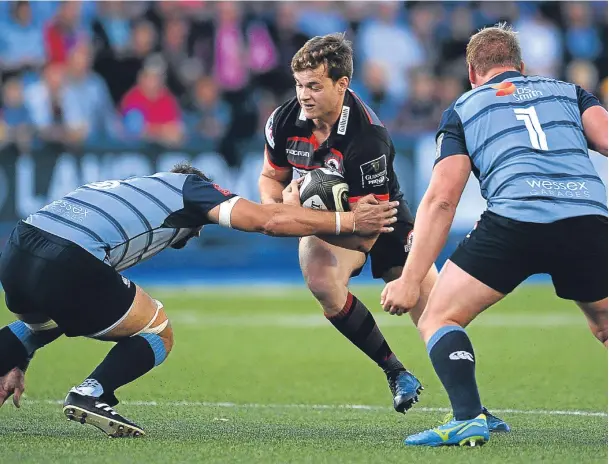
45,274
502,252
391,250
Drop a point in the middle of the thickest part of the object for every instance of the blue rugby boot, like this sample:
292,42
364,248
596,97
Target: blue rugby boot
405,389
471,432
495,424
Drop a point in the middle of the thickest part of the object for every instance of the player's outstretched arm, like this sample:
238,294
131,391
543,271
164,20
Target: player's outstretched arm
435,215
594,120
295,221
272,181
353,242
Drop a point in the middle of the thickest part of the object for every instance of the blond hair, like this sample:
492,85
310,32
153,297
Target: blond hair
333,51
493,47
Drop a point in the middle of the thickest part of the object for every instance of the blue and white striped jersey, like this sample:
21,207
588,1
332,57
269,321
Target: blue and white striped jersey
123,222
525,140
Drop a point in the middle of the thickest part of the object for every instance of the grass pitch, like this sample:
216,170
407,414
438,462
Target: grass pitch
260,376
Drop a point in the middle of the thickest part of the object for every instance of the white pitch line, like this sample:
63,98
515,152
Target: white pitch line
198,318
359,407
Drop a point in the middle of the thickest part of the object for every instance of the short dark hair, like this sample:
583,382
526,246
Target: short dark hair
333,51
186,168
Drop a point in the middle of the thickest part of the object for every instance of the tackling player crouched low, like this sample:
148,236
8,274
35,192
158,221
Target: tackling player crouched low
60,273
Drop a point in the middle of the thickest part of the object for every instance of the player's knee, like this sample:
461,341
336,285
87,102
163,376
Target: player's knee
431,321
325,291
159,335
167,337
424,325
319,286
162,327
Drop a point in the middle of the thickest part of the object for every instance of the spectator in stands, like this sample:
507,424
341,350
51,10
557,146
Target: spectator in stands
489,13
371,85
143,42
63,32
543,53
112,29
421,112
584,74
230,49
150,111
288,40
423,19
321,18
182,70
355,13
88,108
160,12
16,122
211,116
266,102
231,69
44,101
459,28
21,42
388,40
247,49
582,38
449,87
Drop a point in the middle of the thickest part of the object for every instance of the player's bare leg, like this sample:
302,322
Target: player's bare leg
144,339
596,313
426,287
327,269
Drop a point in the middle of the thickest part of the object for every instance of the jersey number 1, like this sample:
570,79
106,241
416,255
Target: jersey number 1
531,121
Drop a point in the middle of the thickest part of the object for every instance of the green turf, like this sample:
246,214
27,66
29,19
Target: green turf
273,352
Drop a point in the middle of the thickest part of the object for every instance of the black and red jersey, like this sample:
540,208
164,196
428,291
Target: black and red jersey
359,147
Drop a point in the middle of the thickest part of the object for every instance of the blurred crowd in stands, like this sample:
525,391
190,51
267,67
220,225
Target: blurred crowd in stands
173,72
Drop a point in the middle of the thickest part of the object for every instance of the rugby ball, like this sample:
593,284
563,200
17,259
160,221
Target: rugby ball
324,189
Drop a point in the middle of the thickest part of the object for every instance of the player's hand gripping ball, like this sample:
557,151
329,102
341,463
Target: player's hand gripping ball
324,189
